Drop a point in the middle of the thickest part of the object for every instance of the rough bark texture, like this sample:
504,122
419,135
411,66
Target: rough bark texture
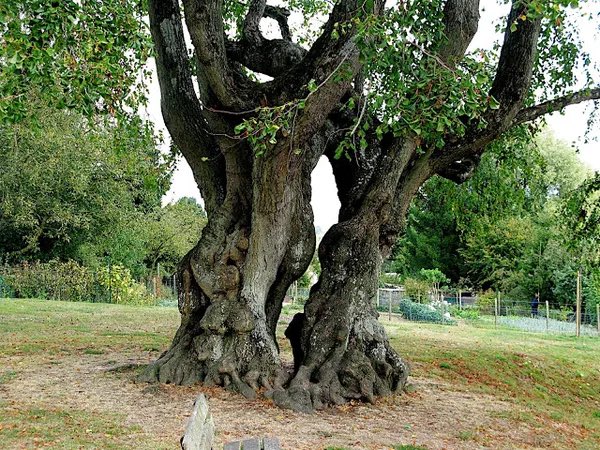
340,349
260,235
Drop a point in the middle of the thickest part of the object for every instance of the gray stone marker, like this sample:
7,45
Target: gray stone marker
267,443
252,444
271,443
200,429
200,432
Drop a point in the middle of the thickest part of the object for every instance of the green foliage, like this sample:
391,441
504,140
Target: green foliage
84,55
121,287
411,89
71,190
434,277
172,231
503,228
70,281
486,301
67,281
416,288
464,313
591,294
419,312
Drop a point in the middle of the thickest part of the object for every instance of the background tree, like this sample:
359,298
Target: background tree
506,222
73,190
172,232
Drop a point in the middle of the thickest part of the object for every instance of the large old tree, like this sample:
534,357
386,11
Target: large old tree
390,94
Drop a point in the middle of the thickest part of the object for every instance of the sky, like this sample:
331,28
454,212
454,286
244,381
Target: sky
570,127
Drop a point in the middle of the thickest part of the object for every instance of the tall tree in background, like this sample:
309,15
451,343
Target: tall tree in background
504,228
391,97
74,190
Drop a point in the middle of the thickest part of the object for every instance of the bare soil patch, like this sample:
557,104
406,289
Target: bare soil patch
433,414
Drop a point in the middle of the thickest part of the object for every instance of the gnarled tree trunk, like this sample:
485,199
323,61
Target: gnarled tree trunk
260,235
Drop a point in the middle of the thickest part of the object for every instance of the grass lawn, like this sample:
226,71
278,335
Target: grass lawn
66,372
554,378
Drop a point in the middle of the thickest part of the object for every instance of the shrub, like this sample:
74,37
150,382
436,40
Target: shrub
464,313
122,288
5,289
56,280
422,313
416,289
70,281
486,302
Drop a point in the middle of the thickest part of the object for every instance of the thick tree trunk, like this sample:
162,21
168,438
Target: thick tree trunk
340,349
223,338
232,285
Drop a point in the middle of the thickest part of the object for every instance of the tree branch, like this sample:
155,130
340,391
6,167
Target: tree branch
180,107
510,88
557,104
280,15
232,89
251,29
461,20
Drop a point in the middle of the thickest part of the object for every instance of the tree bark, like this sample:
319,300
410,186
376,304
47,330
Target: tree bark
232,284
260,236
341,351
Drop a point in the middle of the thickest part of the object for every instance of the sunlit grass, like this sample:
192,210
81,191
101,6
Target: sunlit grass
550,377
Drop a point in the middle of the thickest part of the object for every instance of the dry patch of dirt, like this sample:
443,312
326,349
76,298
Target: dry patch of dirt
433,415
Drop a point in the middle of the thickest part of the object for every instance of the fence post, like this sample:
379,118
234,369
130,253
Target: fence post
598,315
578,305
547,315
158,281
499,303
389,308
496,311
175,288
377,298
460,299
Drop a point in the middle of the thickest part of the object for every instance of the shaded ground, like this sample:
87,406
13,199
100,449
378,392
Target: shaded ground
67,370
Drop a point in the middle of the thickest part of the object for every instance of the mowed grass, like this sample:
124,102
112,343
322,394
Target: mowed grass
556,379
551,379
43,327
35,333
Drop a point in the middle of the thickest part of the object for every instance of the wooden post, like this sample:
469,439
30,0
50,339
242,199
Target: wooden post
296,291
175,288
496,311
598,315
390,308
459,299
377,298
578,306
547,315
158,281
499,300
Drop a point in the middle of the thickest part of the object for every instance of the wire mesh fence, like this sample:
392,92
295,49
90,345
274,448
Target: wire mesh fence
69,281
527,315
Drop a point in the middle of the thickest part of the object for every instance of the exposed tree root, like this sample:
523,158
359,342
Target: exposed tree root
361,370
